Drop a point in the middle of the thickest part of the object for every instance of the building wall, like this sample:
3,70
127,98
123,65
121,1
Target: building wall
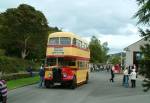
135,47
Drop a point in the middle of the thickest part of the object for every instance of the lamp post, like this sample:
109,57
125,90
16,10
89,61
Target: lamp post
121,59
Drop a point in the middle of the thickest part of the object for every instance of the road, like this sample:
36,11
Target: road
98,90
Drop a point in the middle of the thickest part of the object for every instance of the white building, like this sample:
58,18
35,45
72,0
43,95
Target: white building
133,52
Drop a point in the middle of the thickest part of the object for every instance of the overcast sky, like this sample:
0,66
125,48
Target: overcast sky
108,20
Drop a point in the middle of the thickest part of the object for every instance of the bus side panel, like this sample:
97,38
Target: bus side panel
81,75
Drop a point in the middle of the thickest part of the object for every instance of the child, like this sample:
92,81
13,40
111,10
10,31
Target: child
133,78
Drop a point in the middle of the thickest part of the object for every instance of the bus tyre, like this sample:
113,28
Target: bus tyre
87,78
73,83
48,84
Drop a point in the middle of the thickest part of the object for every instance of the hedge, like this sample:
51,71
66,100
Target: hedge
14,65
14,76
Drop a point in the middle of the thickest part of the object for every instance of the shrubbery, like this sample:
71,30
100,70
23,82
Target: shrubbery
2,52
14,76
14,65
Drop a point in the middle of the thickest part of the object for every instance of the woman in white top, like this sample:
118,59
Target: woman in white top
133,78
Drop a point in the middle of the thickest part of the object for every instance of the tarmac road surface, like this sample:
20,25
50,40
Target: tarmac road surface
98,90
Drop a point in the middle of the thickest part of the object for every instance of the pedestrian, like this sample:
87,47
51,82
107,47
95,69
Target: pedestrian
41,74
30,71
126,78
134,67
133,78
3,91
129,69
112,74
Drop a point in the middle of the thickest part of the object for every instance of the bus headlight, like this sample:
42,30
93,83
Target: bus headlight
49,75
64,75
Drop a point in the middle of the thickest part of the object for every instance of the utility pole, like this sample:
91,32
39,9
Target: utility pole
121,60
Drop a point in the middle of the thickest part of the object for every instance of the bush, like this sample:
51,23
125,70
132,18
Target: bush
14,65
2,52
14,76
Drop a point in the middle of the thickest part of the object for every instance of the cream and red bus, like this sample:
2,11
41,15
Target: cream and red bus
67,60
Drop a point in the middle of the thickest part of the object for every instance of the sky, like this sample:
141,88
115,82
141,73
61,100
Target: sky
109,20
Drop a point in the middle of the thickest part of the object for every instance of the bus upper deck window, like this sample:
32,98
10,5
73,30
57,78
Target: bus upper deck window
74,41
54,41
65,41
78,43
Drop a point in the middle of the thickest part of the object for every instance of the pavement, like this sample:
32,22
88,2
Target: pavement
98,90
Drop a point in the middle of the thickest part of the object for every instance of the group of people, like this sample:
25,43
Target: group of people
130,73
99,67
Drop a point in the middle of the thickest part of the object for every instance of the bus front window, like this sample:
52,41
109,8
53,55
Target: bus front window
65,41
63,62
51,61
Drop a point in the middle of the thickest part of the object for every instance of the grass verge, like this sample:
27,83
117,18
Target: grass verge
13,84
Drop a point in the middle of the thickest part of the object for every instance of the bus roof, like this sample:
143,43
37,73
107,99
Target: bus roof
66,34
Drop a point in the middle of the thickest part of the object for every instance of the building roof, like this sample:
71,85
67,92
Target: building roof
126,48
142,41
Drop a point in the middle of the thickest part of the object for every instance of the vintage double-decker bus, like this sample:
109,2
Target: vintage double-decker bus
67,59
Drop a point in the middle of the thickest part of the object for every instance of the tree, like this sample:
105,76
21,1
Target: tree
143,15
105,50
23,32
115,59
98,52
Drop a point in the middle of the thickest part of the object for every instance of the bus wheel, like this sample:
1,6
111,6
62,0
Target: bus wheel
73,83
87,78
48,84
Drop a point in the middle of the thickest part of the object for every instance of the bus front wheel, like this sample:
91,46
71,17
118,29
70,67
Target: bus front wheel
73,83
48,84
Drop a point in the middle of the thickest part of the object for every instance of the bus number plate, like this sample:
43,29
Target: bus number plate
57,83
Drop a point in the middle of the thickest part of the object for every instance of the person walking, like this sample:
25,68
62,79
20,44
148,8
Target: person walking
41,74
133,78
3,91
112,74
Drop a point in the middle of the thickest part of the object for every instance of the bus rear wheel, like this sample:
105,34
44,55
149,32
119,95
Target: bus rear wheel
73,83
87,78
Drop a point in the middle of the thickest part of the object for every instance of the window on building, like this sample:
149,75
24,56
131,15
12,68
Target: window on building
138,56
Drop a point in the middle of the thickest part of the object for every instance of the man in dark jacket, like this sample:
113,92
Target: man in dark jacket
41,74
112,74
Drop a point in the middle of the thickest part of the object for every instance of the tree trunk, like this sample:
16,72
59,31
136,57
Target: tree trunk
24,52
